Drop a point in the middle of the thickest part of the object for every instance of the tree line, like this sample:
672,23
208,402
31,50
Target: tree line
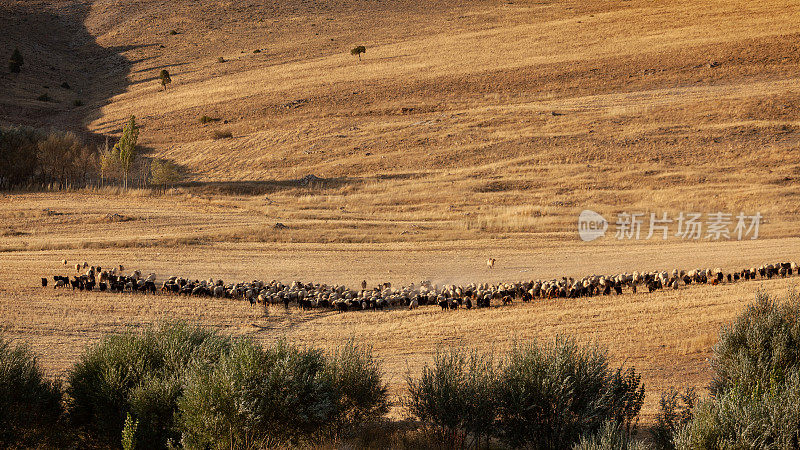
35,158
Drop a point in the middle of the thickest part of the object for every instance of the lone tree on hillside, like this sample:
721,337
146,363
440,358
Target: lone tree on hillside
357,51
16,61
125,150
165,79
164,173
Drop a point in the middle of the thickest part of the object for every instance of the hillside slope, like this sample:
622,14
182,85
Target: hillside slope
474,107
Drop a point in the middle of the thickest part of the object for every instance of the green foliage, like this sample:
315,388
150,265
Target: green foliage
755,399
455,397
204,119
173,32
164,173
676,409
766,417
761,346
256,398
141,374
16,61
165,78
222,134
125,149
548,396
29,404
361,392
44,97
611,436
65,85
357,51
77,103
129,433
220,59
537,397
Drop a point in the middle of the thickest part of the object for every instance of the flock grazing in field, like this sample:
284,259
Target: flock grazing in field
448,296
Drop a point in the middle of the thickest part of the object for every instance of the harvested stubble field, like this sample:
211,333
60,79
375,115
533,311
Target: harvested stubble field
470,129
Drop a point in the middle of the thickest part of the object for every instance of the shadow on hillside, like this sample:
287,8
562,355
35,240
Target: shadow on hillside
58,51
250,188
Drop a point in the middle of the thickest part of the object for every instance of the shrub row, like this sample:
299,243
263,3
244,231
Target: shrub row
538,396
189,386
178,385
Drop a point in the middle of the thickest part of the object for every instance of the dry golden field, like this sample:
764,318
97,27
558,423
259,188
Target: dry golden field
468,130
667,335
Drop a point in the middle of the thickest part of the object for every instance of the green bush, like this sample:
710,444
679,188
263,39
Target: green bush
141,374
768,417
44,97
222,134
129,433
762,345
257,398
207,119
611,436
29,404
548,396
362,393
454,397
538,396
755,400
676,409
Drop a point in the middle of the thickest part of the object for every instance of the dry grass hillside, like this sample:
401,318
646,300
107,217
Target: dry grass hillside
504,110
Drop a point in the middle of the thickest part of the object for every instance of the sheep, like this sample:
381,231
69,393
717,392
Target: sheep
451,296
490,263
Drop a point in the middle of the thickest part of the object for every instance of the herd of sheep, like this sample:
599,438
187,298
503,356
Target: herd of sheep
448,296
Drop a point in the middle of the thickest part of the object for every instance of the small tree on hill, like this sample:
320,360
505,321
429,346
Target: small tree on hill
107,162
357,51
165,79
125,150
16,61
164,173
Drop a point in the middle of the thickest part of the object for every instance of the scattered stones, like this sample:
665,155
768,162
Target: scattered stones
308,179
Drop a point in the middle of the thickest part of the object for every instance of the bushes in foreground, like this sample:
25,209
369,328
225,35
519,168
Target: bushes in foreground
29,404
184,385
755,400
141,374
539,396
258,397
